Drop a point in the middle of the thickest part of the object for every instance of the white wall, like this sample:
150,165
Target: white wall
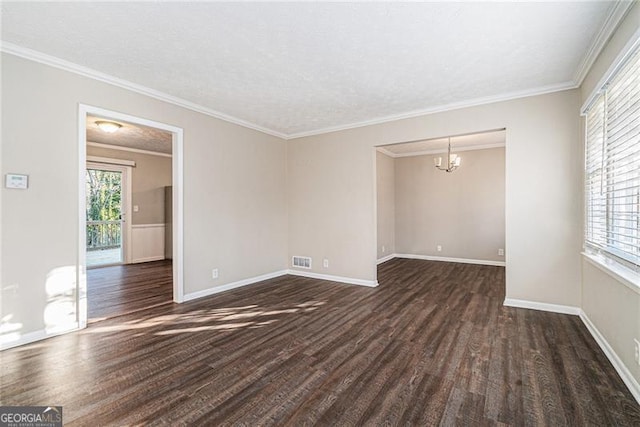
462,212
386,205
332,205
612,307
234,191
250,196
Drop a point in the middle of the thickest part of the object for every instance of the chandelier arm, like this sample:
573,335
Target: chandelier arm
451,162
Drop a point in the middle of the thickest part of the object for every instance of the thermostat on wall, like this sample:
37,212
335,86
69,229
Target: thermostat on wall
14,180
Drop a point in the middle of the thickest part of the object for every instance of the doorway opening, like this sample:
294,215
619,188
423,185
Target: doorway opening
130,209
442,199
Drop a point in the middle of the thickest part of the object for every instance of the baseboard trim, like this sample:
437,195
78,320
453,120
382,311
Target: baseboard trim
631,383
148,259
347,280
34,336
233,285
447,259
542,306
385,259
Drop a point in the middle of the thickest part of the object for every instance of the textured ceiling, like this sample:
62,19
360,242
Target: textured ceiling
130,135
296,68
458,143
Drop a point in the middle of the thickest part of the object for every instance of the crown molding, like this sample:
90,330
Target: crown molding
53,61
129,149
617,13
442,108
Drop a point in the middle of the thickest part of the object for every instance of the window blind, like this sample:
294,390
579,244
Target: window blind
612,167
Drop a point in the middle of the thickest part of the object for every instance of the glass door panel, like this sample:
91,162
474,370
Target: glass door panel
104,217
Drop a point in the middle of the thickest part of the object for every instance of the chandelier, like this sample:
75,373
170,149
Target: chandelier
453,161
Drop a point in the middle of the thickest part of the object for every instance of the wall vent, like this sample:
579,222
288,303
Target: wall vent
301,262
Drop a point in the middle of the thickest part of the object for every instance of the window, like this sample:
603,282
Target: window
612,168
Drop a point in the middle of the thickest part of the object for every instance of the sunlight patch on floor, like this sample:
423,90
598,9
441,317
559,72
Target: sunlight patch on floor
226,318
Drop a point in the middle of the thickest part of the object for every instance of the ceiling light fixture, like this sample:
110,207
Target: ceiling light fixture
109,127
453,161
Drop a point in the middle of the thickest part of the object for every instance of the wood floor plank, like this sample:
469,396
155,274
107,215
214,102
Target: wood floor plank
122,289
432,345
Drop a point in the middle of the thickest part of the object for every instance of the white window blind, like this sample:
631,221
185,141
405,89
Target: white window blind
612,168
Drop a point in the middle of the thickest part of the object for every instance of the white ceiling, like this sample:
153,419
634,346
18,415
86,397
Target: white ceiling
301,68
476,141
129,135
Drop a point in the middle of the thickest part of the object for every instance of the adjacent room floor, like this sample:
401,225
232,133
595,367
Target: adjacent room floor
124,289
432,344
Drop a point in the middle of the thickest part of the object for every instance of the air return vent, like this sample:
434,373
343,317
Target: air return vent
301,262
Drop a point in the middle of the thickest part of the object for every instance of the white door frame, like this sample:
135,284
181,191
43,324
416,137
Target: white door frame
178,191
125,203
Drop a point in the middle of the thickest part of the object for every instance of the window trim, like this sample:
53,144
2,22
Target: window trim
617,63
618,268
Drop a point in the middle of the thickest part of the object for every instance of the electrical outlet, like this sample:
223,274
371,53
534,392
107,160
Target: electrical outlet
383,248
325,263
439,248
636,351
501,252
214,273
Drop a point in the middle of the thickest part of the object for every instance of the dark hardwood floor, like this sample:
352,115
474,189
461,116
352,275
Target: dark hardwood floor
432,345
124,289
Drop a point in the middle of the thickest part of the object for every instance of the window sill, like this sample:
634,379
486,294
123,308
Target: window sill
622,274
